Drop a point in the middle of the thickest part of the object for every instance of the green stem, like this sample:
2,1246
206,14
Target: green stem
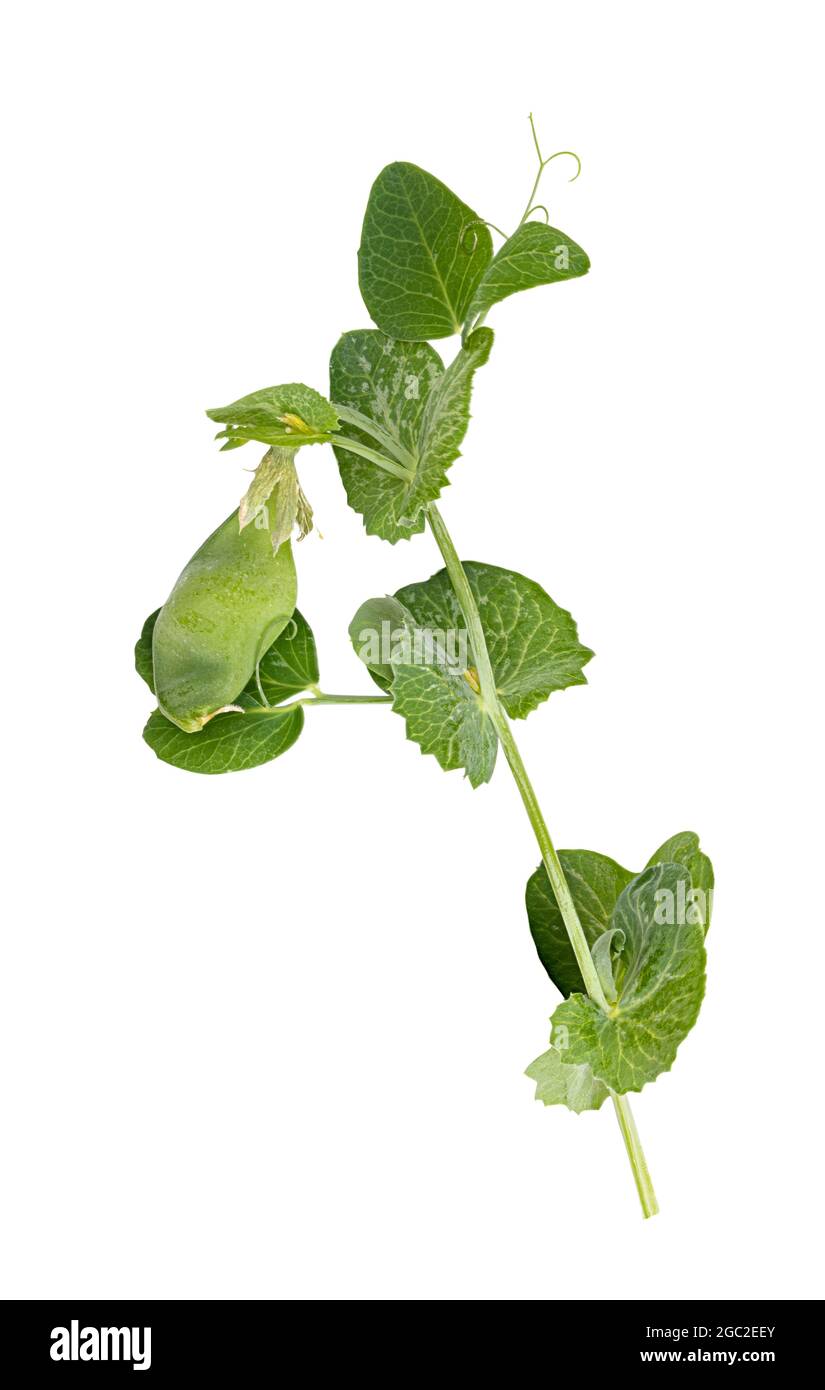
322,699
550,858
340,441
555,873
636,1154
467,604
392,446
319,698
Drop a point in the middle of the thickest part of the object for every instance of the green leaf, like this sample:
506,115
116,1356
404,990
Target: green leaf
605,951
422,255
560,1084
289,667
284,416
534,255
377,632
684,849
595,883
533,644
445,717
419,414
388,383
143,651
227,743
660,981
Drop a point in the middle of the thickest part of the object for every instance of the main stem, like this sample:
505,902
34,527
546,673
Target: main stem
636,1154
550,858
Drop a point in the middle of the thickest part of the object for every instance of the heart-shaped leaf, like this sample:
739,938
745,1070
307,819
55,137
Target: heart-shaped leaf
422,254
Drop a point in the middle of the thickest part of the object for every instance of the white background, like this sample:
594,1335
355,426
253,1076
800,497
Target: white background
264,1035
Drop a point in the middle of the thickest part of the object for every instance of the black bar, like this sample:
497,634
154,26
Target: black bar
232,1340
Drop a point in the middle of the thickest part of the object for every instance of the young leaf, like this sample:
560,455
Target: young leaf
228,743
534,255
595,883
560,1084
684,849
377,632
533,644
143,651
284,416
605,950
422,255
660,981
422,412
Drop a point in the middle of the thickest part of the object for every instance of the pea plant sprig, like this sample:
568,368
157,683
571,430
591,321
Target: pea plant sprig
459,656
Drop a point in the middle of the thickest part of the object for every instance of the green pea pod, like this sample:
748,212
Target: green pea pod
228,606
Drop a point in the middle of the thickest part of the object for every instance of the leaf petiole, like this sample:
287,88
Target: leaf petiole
389,465
321,699
381,436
